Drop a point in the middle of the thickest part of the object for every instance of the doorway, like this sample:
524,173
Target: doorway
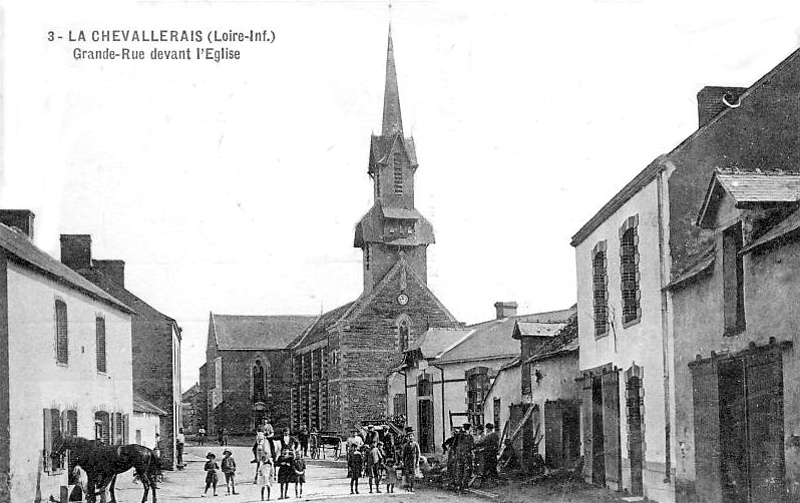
634,406
426,443
598,436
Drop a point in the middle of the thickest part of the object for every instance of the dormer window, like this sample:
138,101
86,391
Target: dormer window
397,163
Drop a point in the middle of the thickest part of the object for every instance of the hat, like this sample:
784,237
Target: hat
467,426
226,451
210,455
371,427
409,429
286,430
385,426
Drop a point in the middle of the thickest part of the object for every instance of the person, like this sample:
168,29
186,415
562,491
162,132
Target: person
284,464
269,435
258,445
477,452
266,474
463,451
180,439
491,446
201,436
223,440
411,454
372,435
211,468
449,448
302,437
299,475
391,476
508,459
355,463
157,446
313,443
388,442
374,464
229,470
354,443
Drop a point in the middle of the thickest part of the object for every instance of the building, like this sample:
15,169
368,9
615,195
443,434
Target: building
341,362
146,422
190,408
65,363
643,240
156,338
447,374
248,371
735,337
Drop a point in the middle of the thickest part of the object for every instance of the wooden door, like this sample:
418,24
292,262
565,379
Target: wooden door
426,439
634,407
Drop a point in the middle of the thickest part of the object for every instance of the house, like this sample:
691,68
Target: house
146,422
190,408
156,338
65,363
643,240
447,374
736,330
248,371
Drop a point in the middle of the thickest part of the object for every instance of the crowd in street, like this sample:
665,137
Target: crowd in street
373,452
473,453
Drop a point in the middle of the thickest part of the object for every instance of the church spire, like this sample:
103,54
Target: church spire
392,120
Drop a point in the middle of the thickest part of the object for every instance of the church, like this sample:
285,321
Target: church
340,361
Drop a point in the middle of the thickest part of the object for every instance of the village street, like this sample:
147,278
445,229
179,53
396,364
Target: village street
326,480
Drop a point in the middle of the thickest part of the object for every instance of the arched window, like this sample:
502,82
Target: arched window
424,387
397,163
404,332
102,427
62,342
259,391
629,270
71,423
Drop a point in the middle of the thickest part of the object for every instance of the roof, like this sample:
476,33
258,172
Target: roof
189,393
528,329
564,342
789,225
142,405
702,264
371,228
649,173
23,251
748,188
400,213
437,341
513,363
319,329
241,332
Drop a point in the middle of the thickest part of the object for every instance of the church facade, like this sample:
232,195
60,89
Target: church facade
341,359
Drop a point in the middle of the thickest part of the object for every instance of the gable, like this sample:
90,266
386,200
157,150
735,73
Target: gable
240,332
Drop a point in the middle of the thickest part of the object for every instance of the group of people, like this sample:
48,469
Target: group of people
372,452
473,451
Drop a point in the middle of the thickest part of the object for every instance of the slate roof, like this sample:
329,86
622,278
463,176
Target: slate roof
762,187
381,147
789,225
22,250
142,405
318,330
242,332
528,329
436,341
370,229
400,213
565,341
701,265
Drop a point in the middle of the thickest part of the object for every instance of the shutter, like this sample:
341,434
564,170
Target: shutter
586,412
125,428
48,441
112,433
611,430
765,432
705,388
552,435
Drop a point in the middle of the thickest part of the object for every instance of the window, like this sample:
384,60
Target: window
600,291
259,392
377,183
629,271
118,436
102,427
404,332
496,414
424,387
62,353
100,336
366,257
397,163
477,387
52,435
733,280
399,404
71,423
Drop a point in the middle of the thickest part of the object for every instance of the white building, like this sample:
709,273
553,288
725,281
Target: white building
146,422
65,363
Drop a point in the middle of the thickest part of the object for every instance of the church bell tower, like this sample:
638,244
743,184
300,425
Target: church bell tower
392,228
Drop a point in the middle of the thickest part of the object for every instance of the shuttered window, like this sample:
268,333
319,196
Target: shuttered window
52,434
399,404
100,336
600,291
629,272
62,346
397,162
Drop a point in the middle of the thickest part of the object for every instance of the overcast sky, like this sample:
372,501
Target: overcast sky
234,187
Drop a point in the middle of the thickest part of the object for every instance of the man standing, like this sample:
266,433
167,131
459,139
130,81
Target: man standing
463,446
410,459
180,439
491,446
201,436
449,448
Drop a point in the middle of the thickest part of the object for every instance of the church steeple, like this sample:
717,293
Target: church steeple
392,118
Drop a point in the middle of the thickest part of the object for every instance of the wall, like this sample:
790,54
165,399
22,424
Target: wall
148,424
640,343
76,386
557,383
508,388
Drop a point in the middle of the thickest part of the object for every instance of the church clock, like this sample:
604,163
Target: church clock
402,299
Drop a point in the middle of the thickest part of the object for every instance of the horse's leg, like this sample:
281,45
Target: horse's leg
152,479
145,478
91,488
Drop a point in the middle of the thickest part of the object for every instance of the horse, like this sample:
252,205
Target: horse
102,463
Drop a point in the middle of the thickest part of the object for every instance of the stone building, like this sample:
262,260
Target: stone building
65,364
190,408
156,338
248,371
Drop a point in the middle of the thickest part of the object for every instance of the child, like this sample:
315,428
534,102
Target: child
229,469
211,468
374,466
299,468
391,476
285,472
355,464
266,474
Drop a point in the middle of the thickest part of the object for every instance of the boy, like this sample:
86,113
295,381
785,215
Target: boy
299,469
211,468
266,474
284,464
374,465
229,469
355,464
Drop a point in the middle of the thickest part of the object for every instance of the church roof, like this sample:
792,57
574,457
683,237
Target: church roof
319,329
22,250
244,332
370,228
392,118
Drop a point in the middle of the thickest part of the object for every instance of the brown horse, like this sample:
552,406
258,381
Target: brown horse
102,463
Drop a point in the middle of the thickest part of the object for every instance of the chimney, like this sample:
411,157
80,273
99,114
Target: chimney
76,251
711,101
505,309
18,219
113,269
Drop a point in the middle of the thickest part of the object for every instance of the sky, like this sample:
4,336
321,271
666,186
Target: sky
234,187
